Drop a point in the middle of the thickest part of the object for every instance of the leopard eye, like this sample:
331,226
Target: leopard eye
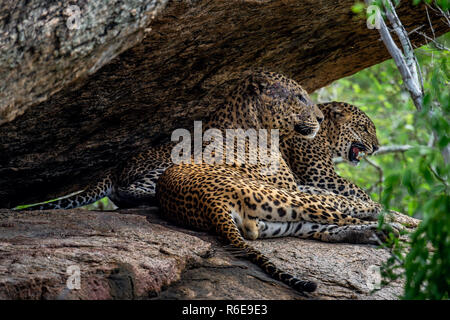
302,98
364,127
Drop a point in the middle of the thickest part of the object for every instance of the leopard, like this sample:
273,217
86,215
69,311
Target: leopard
310,160
133,183
347,133
239,200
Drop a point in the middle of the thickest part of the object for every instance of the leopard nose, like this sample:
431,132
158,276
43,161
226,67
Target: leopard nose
375,147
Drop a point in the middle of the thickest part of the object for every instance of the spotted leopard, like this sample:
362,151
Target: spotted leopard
135,183
346,133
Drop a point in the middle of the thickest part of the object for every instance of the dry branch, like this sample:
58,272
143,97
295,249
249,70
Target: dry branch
406,61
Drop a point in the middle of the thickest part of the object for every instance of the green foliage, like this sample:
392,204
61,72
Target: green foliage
363,10
427,264
358,7
443,4
413,182
102,204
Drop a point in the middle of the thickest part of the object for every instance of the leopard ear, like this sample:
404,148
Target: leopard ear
337,112
257,84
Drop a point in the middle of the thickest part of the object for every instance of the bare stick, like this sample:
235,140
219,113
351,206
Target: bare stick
429,22
437,44
393,149
405,63
380,175
408,50
444,14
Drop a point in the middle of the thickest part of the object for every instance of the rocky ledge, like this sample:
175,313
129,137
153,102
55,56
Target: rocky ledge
134,254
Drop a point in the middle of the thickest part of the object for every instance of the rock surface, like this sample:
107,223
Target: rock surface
134,254
46,45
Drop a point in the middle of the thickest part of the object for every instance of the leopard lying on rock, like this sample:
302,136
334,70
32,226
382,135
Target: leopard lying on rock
135,183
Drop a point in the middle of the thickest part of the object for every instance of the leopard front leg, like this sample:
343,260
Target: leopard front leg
368,210
358,234
398,217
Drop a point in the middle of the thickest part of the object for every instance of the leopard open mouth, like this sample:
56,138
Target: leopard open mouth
356,152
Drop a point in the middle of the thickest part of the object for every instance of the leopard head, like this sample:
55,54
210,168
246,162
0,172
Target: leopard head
283,104
352,133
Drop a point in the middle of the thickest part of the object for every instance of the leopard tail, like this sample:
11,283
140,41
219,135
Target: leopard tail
91,194
231,233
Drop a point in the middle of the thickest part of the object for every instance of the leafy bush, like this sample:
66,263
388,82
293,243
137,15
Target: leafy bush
415,181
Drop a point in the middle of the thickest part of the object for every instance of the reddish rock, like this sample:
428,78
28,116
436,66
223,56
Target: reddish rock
137,255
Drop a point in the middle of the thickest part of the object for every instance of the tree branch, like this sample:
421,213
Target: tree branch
408,50
437,44
380,175
446,15
406,63
393,149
